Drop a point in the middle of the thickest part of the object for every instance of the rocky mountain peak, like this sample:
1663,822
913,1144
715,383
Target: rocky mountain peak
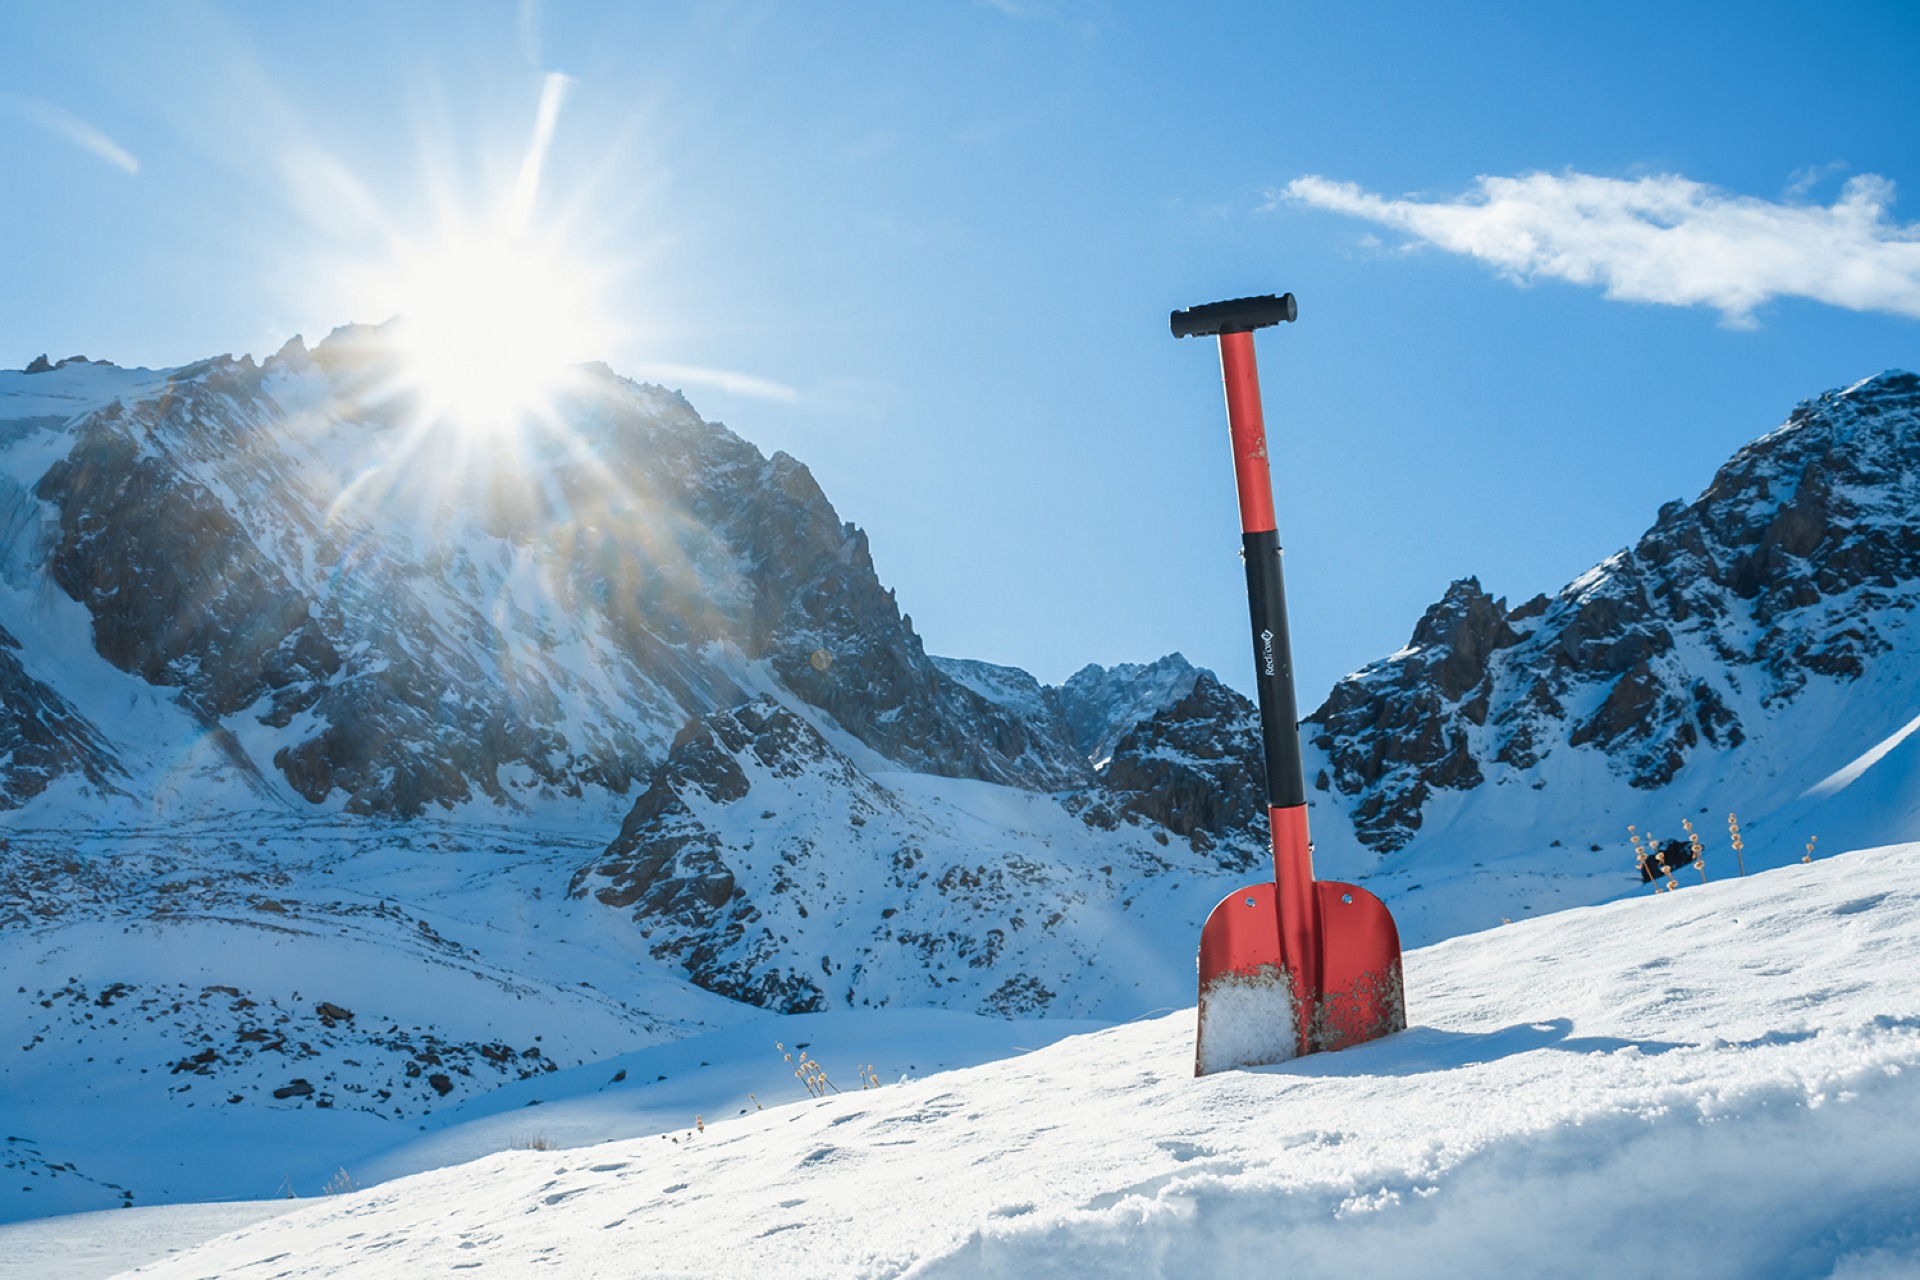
1782,571
1194,766
1101,704
1459,634
395,621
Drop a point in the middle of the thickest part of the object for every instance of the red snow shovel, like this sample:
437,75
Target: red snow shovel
1297,965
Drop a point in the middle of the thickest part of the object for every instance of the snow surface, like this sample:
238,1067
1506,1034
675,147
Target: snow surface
1719,1081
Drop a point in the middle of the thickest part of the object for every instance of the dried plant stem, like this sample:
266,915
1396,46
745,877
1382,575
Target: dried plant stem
1698,850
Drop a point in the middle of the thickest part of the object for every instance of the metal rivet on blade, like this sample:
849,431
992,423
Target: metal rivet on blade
1250,902
1347,898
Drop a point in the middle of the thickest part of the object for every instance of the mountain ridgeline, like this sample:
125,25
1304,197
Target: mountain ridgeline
271,588
1744,633
243,587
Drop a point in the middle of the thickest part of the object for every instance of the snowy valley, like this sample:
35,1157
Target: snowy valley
368,806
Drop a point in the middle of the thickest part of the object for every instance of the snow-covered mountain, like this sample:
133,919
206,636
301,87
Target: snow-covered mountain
370,613
232,587
1754,653
348,771
352,770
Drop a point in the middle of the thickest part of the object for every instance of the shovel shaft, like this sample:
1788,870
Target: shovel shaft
1297,903
1266,586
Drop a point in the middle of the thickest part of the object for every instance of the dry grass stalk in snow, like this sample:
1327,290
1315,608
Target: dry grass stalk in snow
1694,845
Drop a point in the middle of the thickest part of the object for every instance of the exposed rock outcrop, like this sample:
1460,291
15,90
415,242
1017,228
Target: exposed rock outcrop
1800,561
43,737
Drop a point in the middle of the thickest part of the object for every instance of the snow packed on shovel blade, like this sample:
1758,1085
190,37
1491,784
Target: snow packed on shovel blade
1722,1081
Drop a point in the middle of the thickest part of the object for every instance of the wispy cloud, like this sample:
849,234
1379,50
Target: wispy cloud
64,124
1804,180
740,384
1662,238
529,25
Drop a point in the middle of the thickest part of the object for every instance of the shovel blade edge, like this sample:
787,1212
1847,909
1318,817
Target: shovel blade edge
1248,1007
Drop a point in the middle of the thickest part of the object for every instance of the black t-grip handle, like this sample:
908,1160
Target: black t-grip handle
1236,315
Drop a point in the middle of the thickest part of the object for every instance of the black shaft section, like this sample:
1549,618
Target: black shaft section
1273,670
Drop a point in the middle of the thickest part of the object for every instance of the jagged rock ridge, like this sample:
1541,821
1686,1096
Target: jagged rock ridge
1800,562
389,619
770,867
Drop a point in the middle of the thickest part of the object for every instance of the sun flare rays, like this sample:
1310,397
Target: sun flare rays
477,368
492,314
488,329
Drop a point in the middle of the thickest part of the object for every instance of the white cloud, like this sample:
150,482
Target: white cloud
1663,238
64,124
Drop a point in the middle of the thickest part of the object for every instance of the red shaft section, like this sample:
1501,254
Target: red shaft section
1298,907
1249,430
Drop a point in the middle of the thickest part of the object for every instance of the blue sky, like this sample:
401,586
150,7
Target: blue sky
1554,262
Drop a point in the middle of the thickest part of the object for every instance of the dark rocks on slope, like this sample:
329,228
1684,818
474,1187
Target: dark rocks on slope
1780,572
765,864
1195,768
179,594
1393,738
837,638
42,736
1192,769
670,869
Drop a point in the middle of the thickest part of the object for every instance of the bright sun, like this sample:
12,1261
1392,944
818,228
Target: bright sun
492,315
490,326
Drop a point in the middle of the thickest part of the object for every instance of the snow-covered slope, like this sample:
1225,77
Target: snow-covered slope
295,995
766,863
1718,1082
280,995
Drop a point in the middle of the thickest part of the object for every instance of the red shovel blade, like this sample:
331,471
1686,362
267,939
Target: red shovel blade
1249,1015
